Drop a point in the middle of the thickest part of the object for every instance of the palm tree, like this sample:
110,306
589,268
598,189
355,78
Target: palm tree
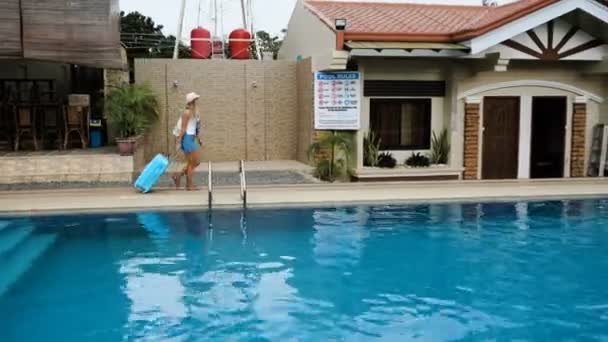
335,143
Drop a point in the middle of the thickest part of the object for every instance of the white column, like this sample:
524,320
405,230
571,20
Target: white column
457,133
364,120
525,137
569,113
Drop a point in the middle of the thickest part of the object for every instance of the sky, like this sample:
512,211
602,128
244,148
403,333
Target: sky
268,15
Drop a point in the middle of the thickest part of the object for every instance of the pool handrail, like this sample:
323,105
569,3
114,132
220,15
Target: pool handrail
210,187
243,183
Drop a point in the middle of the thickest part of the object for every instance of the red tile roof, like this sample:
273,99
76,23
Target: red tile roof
420,22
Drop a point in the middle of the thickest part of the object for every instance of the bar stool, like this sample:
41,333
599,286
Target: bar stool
7,127
74,119
25,123
6,131
50,115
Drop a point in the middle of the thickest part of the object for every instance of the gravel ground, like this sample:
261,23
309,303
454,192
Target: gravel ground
219,179
253,178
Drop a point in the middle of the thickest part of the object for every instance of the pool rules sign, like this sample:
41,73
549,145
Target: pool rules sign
337,100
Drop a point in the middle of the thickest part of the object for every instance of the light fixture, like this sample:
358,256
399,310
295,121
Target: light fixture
341,24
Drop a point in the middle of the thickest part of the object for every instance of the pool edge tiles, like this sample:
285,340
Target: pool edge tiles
111,200
297,205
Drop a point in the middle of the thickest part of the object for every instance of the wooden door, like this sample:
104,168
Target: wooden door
500,137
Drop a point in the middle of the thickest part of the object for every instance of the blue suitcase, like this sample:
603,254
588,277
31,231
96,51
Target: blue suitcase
150,175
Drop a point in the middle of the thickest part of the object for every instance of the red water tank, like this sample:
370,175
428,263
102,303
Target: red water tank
200,42
240,43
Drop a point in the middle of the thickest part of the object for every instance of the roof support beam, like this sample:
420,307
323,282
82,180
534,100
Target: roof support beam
556,10
493,62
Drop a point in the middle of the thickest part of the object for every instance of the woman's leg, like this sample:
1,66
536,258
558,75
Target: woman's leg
193,163
190,171
177,177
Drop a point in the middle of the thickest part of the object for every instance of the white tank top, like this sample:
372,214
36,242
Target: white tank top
192,124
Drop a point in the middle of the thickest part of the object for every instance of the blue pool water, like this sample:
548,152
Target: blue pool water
533,271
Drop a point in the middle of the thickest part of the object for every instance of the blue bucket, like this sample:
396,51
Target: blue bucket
95,140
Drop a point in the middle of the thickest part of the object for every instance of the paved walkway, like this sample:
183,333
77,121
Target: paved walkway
28,202
224,173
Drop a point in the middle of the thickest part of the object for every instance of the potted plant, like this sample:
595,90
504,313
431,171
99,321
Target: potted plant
131,109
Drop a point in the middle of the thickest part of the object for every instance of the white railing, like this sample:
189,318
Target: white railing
210,187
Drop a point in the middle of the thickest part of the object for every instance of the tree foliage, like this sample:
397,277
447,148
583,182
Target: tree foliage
267,43
142,37
135,22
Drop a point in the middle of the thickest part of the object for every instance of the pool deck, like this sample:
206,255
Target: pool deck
122,199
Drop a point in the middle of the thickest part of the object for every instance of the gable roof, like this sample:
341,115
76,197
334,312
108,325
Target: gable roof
420,22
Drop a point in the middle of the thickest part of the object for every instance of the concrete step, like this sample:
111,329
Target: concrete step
11,237
19,261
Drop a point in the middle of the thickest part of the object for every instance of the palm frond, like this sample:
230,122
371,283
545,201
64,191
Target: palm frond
132,108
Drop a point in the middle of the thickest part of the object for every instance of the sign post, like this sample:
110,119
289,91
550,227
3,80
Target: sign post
337,100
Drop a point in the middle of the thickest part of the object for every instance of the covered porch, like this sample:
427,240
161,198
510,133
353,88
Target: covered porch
52,83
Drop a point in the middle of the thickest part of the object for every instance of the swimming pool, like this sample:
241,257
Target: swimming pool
530,271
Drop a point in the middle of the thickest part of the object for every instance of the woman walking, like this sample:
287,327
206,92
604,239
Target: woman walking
189,141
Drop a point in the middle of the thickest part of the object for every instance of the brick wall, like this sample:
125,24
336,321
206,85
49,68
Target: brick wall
579,125
250,109
471,140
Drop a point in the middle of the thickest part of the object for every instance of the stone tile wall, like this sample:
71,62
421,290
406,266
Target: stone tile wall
250,109
52,168
306,130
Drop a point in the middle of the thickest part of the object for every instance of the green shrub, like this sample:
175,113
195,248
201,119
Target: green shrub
386,160
327,171
371,149
335,143
418,160
440,148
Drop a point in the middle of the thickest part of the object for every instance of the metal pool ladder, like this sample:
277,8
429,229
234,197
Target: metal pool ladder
210,187
243,183
210,197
